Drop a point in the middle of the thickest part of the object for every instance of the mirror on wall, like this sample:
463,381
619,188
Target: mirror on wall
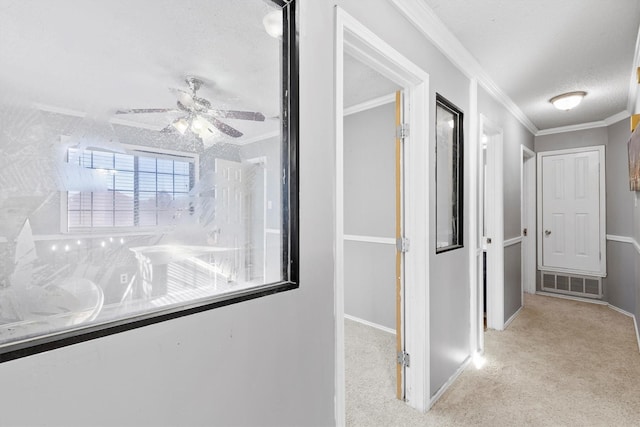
449,175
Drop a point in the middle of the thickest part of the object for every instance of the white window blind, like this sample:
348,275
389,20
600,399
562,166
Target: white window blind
144,189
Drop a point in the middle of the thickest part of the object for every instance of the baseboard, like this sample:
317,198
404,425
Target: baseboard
373,325
572,298
449,382
621,311
511,319
635,324
612,307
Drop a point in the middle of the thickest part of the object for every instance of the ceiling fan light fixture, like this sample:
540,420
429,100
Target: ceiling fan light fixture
272,22
181,125
198,124
567,101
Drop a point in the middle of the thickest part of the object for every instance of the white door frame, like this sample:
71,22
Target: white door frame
360,42
495,226
528,219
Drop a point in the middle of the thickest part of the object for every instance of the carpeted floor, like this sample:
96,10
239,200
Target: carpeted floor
560,363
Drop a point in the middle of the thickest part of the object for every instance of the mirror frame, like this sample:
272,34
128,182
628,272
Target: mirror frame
290,235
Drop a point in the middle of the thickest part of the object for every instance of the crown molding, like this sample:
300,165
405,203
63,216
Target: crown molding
372,103
633,81
426,21
584,126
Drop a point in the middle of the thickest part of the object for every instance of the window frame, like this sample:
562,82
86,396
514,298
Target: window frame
138,151
457,177
289,235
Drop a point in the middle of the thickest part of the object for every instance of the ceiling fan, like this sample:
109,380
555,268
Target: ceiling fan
199,117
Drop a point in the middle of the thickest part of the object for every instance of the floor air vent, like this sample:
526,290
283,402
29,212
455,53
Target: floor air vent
584,286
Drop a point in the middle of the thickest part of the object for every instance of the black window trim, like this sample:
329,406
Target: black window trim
290,236
441,101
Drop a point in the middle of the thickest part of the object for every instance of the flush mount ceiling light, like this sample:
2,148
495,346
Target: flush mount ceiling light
567,101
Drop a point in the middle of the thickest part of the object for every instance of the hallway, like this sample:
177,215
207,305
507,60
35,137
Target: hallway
560,362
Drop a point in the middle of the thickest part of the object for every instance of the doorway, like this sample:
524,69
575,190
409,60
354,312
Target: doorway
572,218
352,37
490,251
528,220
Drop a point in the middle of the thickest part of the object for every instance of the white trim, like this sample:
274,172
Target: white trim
494,218
617,117
584,126
635,325
60,110
272,230
598,302
256,138
366,46
572,298
476,335
633,81
371,324
513,241
340,385
632,316
370,239
621,239
426,21
130,123
367,105
619,310
528,220
449,382
624,239
602,267
571,271
512,318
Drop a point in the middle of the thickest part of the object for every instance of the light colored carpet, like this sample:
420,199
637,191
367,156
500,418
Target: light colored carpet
560,363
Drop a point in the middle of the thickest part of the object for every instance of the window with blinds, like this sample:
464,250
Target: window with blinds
141,189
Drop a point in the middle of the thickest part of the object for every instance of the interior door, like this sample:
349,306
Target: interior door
230,211
571,222
400,250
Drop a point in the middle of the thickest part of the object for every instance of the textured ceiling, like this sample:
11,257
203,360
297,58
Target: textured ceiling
100,56
362,83
536,49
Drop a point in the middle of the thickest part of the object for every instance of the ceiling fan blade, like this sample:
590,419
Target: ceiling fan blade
225,128
147,110
240,115
168,129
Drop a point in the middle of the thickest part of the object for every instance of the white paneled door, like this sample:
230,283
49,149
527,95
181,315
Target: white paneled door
571,229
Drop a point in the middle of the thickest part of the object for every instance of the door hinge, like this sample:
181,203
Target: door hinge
402,244
402,131
404,359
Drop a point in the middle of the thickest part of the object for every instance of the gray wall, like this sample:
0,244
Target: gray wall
636,236
512,280
566,140
514,135
449,275
620,284
262,362
369,200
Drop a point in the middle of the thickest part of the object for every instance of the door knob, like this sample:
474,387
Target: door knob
547,232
